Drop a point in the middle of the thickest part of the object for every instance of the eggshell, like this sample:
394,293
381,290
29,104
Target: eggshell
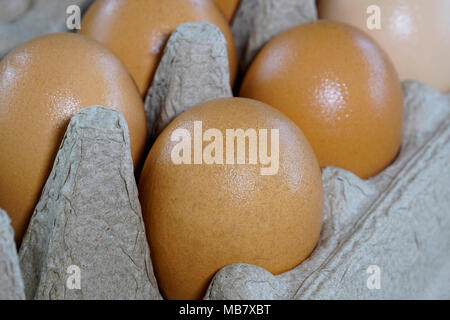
228,7
339,87
42,83
137,31
201,217
414,33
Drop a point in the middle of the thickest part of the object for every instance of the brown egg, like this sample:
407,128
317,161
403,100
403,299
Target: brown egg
339,87
228,7
201,217
414,33
137,31
42,84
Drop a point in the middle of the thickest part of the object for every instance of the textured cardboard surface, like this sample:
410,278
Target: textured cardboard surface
256,22
11,283
398,221
89,216
22,20
193,69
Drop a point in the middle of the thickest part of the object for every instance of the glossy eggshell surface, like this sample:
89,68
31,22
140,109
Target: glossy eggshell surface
339,87
414,33
137,31
42,84
228,7
201,217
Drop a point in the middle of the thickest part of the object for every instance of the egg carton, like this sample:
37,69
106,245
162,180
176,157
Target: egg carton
11,283
386,237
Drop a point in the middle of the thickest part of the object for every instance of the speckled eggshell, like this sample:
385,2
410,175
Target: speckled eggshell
201,217
414,33
42,84
339,87
228,7
137,31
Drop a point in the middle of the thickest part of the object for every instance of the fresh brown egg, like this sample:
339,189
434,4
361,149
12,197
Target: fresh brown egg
228,7
137,31
210,210
42,84
339,87
414,33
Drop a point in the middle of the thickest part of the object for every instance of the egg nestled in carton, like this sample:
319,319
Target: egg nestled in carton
43,83
207,203
339,87
137,31
415,34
